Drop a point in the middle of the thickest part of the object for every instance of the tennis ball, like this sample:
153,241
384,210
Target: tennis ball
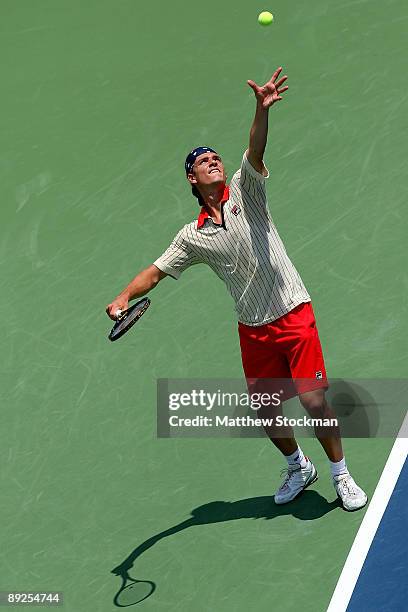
265,18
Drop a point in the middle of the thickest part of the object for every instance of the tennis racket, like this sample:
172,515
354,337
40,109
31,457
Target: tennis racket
133,591
127,318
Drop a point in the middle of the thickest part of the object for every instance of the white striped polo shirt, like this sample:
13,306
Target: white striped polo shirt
246,252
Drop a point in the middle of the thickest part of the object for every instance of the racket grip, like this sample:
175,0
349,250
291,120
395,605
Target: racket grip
118,313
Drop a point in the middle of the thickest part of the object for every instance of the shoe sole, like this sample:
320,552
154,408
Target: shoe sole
315,477
352,509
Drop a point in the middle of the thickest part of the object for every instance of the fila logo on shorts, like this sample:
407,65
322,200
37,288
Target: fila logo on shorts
295,363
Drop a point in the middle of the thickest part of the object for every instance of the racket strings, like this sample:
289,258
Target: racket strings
129,318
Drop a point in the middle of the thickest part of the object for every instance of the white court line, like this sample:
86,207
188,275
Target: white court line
365,535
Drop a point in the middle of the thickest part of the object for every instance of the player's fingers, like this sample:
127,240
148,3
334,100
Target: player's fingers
282,89
281,81
253,86
110,311
276,73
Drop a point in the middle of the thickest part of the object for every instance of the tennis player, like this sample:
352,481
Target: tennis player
235,235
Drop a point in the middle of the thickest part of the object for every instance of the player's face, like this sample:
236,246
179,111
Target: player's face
208,170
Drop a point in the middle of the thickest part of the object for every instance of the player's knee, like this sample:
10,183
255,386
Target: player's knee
315,403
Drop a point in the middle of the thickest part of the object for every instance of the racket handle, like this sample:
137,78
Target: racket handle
118,313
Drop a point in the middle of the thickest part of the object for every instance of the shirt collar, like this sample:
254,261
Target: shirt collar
204,214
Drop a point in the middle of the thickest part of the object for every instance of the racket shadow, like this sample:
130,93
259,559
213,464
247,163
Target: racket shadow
310,506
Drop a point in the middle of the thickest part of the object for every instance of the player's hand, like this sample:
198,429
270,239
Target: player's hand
119,303
271,91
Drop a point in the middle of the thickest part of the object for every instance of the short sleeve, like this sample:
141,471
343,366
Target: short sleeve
248,170
251,184
178,257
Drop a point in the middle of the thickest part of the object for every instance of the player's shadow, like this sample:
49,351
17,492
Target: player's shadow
310,506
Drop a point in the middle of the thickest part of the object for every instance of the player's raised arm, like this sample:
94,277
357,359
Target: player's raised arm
266,96
142,283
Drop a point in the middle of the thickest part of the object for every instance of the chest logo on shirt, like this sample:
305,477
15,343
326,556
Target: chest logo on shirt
235,210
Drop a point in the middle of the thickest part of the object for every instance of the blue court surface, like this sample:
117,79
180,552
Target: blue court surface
374,576
382,584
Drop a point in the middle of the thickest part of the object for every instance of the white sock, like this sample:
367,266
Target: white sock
297,458
338,467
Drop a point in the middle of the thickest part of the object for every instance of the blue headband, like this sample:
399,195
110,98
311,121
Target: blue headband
191,157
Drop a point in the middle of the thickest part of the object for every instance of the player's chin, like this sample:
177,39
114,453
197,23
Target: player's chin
215,178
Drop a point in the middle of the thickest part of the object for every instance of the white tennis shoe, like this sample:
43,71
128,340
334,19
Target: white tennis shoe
350,494
296,480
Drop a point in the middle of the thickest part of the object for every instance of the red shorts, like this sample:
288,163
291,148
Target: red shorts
287,348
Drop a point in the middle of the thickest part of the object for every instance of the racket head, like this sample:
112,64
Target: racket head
128,318
133,592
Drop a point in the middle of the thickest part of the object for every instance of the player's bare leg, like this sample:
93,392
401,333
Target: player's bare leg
316,405
350,494
300,472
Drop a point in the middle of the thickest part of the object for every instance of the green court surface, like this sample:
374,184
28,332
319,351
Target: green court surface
101,101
